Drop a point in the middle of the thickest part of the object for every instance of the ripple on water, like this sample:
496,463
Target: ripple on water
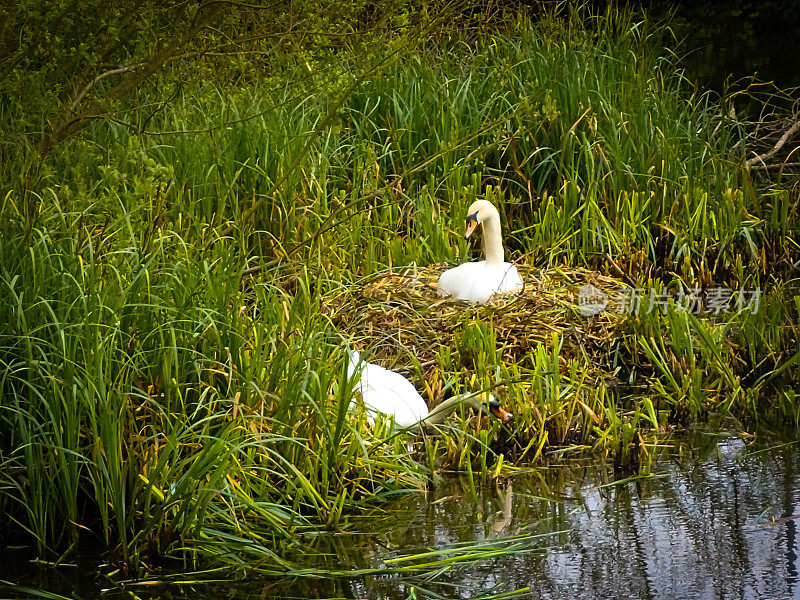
714,522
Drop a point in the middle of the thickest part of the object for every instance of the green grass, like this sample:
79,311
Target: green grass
170,382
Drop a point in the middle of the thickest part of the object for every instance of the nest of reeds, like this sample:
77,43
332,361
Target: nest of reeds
398,317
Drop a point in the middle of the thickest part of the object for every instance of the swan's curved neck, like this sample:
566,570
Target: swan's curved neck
446,408
492,240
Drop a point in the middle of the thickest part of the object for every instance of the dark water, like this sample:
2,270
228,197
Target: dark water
722,41
717,520
739,39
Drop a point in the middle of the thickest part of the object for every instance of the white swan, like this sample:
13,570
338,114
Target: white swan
477,281
389,393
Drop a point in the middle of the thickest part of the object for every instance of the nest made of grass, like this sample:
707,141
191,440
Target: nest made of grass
393,315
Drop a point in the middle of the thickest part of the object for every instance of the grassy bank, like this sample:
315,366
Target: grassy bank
177,283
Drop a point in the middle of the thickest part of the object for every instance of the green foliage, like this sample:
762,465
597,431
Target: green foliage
168,376
140,380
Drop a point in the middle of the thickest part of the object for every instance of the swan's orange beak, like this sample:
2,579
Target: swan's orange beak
501,413
472,223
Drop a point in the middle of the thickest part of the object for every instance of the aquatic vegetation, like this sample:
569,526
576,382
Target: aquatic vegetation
175,286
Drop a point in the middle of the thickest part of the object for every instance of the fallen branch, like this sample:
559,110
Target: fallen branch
776,165
762,158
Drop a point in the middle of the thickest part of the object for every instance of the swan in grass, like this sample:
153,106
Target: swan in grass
389,393
477,281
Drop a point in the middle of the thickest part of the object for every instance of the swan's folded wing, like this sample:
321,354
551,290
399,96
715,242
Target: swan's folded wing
510,280
467,281
390,393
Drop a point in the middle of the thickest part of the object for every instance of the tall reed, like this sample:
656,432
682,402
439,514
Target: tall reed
169,382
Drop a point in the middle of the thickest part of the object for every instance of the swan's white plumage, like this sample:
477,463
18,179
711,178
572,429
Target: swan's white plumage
389,393
384,391
478,281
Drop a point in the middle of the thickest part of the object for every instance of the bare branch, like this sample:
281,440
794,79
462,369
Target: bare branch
100,77
776,165
762,158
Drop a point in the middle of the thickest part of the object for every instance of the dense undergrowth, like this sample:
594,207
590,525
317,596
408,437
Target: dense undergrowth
170,379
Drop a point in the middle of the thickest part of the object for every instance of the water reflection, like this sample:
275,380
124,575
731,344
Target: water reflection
704,531
718,520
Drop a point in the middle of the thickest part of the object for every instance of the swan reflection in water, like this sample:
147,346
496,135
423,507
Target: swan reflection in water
714,524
